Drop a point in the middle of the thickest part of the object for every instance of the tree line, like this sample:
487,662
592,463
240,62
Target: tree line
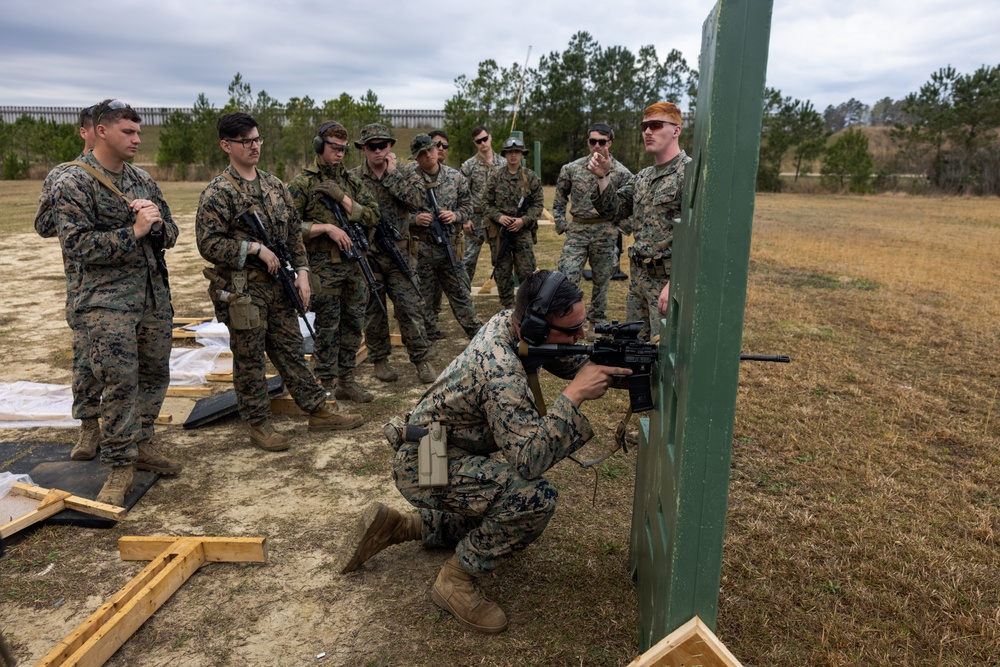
947,132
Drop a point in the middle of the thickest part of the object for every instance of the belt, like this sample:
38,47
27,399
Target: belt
253,275
477,209
589,221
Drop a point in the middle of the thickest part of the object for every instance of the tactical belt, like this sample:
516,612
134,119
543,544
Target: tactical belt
657,267
253,275
589,221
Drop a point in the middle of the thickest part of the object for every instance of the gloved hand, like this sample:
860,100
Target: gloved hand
332,190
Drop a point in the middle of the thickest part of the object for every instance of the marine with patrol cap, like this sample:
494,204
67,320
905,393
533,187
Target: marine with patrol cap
396,199
512,204
451,192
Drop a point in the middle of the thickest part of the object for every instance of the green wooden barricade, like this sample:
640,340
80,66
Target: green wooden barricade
682,472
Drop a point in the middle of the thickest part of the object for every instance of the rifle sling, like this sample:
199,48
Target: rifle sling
102,179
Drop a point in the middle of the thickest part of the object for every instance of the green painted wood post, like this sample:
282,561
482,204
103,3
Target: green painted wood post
682,472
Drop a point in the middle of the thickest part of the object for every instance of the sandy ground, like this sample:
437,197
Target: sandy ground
288,611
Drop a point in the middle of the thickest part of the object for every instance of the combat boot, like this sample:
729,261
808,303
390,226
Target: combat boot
90,437
455,591
378,528
384,372
117,487
326,419
264,436
349,390
150,458
425,372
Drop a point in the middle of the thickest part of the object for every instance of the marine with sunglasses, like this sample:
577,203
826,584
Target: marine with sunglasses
652,199
487,412
477,168
589,235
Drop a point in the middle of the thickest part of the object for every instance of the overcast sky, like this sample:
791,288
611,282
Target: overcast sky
165,53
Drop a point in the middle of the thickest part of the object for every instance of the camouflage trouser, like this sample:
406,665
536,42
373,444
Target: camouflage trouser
473,245
407,306
278,337
487,510
643,292
521,258
87,389
435,272
130,357
340,316
598,243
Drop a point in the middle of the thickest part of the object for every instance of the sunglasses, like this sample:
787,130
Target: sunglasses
482,140
598,142
113,105
655,125
247,143
377,145
568,330
337,148
443,145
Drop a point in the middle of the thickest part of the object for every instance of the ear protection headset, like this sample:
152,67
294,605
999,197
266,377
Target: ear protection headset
319,142
535,328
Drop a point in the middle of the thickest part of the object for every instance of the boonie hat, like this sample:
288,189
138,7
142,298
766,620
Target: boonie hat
374,131
420,143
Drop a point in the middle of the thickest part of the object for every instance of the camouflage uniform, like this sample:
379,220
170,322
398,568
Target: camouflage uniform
340,304
122,300
224,241
476,169
503,192
652,198
86,388
391,191
589,236
492,506
433,267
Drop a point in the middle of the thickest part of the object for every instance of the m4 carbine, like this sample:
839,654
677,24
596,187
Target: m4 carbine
359,245
386,236
286,274
441,235
618,345
507,237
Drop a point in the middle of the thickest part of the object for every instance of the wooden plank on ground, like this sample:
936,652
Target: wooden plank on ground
693,643
163,420
188,321
198,392
97,638
50,503
217,549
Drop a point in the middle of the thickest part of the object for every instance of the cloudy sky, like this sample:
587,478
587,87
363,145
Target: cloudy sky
165,53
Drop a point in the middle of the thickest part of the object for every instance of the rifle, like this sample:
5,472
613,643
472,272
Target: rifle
359,245
156,238
251,219
620,347
507,237
441,237
386,236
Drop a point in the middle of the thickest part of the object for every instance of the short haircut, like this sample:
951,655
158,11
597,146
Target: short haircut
566,296
602,129
669,109
479,128
333,129
235,125
439,133
105,115
87,117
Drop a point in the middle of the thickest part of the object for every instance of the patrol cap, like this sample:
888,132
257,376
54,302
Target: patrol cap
514,144
420,143
374,131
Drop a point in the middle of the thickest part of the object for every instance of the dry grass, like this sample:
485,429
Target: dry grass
864,509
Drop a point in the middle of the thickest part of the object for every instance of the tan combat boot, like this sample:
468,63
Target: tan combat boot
117,487
378,528
90,437
150,458
325,419
455,590
384,372
264,436
349,390
425,372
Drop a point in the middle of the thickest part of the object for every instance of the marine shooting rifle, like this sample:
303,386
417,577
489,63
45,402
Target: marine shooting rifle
359,245
284,276
441,235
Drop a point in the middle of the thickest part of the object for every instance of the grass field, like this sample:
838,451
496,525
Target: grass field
864,504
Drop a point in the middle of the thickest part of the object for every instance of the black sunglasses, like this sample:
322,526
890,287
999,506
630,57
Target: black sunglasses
443,145
377,145
482,140
655,125
113,105
598,142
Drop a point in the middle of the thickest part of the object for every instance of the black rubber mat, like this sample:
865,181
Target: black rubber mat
220,405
